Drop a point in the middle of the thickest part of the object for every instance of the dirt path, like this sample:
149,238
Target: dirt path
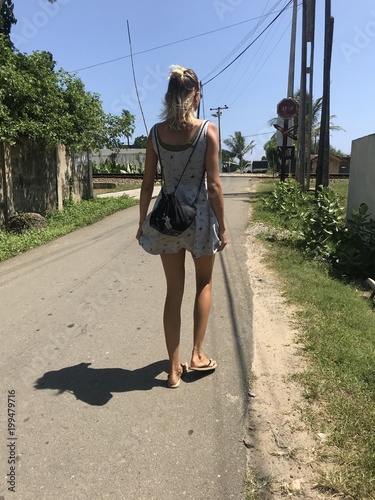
281,451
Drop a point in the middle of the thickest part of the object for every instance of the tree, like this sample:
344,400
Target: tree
30,100
83,125
140,142
237,146
44,105
118,127
7,18
315,132
337,152
227,156
270,148
128,124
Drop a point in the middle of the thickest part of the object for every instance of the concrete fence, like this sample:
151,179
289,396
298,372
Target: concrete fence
34,178
362,175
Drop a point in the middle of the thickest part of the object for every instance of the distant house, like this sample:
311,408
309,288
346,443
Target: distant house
337,164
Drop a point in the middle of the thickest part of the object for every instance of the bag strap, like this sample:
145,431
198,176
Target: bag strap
187,163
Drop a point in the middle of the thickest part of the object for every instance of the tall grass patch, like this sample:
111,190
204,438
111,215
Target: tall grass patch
72,217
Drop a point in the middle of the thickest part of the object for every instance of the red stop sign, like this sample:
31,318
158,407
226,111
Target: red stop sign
287,108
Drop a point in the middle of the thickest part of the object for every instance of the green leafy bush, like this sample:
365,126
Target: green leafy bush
286,202
322,224
318,225
355,252
106,167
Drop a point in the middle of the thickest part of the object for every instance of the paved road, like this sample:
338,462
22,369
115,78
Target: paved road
81,344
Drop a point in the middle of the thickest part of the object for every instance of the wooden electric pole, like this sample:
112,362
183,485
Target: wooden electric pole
322,169
310,39
292,63
305,109
218,115
292,56
301,157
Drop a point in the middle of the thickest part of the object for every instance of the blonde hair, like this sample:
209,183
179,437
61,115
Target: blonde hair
178,102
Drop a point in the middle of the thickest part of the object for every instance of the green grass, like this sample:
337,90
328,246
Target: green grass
341,186
337,324
257,486
73,216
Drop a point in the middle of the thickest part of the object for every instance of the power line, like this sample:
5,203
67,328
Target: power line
171,43
248,36
238,82
256,135
250,44
255,73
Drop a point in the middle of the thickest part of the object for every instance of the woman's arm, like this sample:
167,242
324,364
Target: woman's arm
215,192
147,183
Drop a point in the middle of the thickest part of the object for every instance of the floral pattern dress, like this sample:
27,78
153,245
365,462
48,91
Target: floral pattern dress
202,237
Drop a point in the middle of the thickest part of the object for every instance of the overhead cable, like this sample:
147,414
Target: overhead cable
167,44
252,43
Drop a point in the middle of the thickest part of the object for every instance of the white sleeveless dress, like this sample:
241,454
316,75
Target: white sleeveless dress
201,238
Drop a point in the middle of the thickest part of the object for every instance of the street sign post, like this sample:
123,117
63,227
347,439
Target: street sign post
288,153
287,108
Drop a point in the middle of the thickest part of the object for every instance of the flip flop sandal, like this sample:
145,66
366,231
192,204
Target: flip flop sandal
211,365
184,368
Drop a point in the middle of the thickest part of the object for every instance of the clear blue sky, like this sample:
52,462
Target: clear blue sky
206,35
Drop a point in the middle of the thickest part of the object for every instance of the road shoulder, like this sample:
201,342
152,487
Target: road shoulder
281,449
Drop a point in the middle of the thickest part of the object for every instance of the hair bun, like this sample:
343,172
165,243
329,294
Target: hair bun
177,71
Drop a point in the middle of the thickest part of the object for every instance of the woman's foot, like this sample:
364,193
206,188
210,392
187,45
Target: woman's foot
199,362
174,378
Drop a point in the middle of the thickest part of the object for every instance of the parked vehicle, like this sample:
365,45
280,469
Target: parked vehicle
257,166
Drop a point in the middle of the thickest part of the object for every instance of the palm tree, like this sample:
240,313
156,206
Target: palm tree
237,146
315,133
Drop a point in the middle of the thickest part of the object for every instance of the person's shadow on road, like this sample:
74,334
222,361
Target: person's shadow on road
96,385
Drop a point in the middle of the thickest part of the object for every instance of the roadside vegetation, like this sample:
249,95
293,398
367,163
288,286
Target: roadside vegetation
323,266
115,187
72,217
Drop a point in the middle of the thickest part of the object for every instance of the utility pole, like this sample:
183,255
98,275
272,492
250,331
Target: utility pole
292,63
310,39
304,122
322,169
300,174
292,56
218,115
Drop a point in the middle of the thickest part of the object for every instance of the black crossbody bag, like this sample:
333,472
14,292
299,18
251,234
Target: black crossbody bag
169,216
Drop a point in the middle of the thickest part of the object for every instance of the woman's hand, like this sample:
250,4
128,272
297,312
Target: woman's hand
139,232
223,240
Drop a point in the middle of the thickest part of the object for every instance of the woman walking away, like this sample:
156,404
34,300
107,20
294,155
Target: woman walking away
178,136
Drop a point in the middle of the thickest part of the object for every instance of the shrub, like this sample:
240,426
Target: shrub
322,224
319,226
355,252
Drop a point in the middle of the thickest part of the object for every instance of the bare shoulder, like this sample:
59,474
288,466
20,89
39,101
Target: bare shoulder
212,131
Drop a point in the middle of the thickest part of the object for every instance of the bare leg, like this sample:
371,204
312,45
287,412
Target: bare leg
174,269
203,276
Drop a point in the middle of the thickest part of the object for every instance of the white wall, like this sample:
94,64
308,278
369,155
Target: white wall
362,175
